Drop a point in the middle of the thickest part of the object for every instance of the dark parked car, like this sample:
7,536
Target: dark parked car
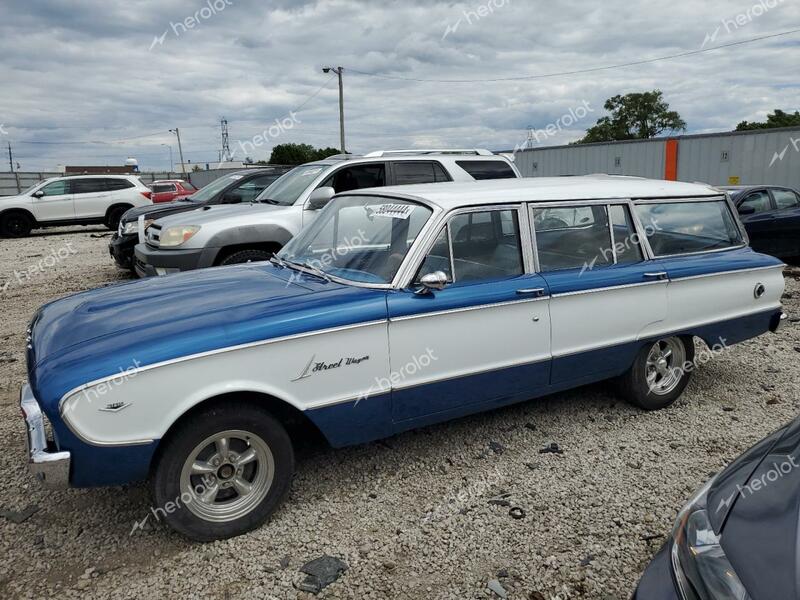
737,539
241,186
771,216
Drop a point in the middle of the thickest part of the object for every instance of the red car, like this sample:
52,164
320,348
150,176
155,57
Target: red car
168,190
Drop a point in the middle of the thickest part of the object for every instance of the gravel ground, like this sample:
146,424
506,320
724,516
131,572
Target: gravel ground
411,515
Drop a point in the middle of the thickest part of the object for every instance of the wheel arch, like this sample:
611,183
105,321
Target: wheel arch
115,206
292,418
20,210
227,251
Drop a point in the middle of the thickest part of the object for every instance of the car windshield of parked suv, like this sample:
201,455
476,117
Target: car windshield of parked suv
212,189
362,239
287,189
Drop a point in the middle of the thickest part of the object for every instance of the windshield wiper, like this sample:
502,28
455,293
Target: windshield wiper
275,260
306,268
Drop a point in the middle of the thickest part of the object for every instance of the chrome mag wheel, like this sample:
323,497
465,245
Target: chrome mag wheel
227,475
664,366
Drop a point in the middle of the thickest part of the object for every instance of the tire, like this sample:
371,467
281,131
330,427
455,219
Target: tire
657,378
16,225
246,256
114,216
188,467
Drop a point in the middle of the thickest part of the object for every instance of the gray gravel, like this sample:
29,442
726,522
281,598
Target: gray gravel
410,516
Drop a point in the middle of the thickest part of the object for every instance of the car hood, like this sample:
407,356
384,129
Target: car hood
755,505
156,211
99,333
14,199
223,213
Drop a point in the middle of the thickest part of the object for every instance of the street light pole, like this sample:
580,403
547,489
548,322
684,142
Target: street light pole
338,71
177,133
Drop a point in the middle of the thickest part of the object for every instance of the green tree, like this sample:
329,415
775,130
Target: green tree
297,154
634,117
776,119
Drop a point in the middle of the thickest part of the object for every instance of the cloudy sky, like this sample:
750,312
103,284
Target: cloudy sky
95,81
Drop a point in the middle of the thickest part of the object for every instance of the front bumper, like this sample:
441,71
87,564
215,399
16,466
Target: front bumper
121,249
46,464
658,583
150,262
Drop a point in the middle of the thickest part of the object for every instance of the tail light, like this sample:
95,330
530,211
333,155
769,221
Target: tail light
146,194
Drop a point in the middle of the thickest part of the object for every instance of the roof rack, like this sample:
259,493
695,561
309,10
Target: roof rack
467,151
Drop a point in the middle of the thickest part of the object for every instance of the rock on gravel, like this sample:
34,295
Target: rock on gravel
320,573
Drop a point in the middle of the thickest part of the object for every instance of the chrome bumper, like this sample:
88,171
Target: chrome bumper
51,468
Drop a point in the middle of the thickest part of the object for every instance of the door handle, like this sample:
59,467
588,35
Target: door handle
535,292
661,275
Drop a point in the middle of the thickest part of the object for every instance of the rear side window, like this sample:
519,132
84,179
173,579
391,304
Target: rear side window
687,227
573,237
357,178
118,184
487,169
785,198
162,187
411,172
88,186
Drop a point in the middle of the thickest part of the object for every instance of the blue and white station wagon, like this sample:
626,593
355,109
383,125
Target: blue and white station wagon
396,308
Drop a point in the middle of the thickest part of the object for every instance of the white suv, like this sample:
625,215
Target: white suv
223,235
78,200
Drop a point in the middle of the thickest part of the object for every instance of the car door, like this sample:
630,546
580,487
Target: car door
757,213
483,340
605,293
91,197
53,202
786,225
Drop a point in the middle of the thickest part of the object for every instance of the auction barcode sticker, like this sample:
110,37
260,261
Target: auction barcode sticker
392,211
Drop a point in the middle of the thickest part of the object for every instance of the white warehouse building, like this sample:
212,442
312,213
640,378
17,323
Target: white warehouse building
765,156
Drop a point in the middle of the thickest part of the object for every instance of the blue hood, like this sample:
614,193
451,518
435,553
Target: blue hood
99,333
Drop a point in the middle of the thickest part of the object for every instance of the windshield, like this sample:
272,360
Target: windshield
287,189
359,238
35,185
212,189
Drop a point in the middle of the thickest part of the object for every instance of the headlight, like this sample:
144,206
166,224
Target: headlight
701,567
128,228
175,236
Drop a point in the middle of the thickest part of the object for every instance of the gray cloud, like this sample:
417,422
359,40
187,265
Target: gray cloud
85,71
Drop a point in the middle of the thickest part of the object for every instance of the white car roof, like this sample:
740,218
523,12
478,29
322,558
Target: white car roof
542,189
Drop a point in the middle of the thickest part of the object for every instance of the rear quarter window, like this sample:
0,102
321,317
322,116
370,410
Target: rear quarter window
689,227
487,169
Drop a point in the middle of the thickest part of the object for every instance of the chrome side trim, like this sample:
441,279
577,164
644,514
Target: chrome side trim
465,309
610,288
173,361
721,273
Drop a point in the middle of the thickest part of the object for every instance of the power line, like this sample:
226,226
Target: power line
579,71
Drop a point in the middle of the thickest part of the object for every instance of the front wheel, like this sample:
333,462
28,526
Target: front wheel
16,225
659,374
223,472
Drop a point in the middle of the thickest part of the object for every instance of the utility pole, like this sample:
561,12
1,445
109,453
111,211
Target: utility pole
177,133
10,158
338,71
226,149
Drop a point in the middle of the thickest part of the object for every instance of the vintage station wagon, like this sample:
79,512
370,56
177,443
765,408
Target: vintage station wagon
397,308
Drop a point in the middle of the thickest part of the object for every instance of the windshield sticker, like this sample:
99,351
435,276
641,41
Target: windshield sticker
310,172
236,177
390,211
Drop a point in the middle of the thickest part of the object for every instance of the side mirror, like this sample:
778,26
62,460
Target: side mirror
38,194
432,281
747,210
319,198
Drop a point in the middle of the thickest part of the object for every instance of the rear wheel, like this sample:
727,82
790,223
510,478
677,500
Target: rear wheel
223,472
659,374
246,256
16,225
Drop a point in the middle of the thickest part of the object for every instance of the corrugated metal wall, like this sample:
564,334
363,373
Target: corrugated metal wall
719,159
